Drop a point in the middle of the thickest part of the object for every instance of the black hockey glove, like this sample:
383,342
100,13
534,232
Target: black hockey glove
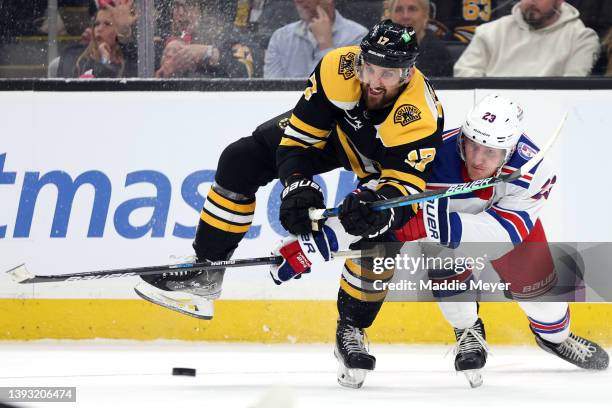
299,195
358,219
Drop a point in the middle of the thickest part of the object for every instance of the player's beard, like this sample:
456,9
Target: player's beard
537,19
385,98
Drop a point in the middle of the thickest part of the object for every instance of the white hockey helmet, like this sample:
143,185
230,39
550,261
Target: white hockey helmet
496,122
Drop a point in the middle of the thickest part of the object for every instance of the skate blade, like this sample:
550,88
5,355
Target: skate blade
177,301
351,377
474,377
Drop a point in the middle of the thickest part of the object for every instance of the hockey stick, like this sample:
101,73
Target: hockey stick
21,274
455,189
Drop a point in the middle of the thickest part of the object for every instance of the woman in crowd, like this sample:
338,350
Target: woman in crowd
110,51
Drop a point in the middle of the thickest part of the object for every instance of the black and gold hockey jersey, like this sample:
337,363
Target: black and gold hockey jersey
394,145
460,18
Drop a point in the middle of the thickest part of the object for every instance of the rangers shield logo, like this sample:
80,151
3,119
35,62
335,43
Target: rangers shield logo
525,151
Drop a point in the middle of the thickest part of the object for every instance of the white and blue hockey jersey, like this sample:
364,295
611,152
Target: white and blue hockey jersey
504,213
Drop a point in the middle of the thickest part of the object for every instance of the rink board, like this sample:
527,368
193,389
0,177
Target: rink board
268,322
132,151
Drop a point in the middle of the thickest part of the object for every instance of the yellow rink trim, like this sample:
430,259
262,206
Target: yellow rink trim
268,321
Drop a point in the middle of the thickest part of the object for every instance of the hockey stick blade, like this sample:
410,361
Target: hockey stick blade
455,189
21,274
525,168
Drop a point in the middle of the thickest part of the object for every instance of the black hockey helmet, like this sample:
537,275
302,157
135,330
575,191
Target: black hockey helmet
390,45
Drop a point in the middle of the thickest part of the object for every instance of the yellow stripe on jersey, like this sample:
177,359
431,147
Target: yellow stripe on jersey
223,226
358,270
230,205
357,294
286,141
306,128
338,77
398,186
350,153
402,189
414,180
414,116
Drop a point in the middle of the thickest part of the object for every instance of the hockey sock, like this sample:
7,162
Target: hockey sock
358,300
550,320
224,221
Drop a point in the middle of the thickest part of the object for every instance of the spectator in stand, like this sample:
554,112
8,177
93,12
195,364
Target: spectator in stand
295,49
457,20
200,45
604,64
608,53
106,53
434,59
539,38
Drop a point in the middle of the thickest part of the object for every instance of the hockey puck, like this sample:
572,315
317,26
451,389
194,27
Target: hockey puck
190,372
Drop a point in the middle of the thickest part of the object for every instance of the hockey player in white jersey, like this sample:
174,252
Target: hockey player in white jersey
491,142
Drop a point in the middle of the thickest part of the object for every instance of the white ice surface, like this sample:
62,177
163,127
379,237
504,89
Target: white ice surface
137,374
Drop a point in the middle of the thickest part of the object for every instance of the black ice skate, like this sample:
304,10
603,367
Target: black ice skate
471,352
576,350
191,293
354,361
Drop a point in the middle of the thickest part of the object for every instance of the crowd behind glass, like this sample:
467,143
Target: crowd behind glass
286,38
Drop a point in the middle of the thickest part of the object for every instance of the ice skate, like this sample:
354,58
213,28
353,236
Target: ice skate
354,361
182,302
191,293
471,352
578,351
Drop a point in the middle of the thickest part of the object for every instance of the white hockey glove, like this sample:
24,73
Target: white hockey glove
304,251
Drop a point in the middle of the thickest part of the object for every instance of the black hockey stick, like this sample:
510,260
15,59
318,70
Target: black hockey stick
455,189
21,274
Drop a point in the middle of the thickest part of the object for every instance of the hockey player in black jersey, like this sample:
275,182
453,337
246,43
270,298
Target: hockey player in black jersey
384,120
367,109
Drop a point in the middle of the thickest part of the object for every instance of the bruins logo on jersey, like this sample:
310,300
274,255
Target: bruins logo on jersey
283,123
406,114
346,68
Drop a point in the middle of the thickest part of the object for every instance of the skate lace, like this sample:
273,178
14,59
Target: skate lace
470,340
178,274
354,340
576,348
181,259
